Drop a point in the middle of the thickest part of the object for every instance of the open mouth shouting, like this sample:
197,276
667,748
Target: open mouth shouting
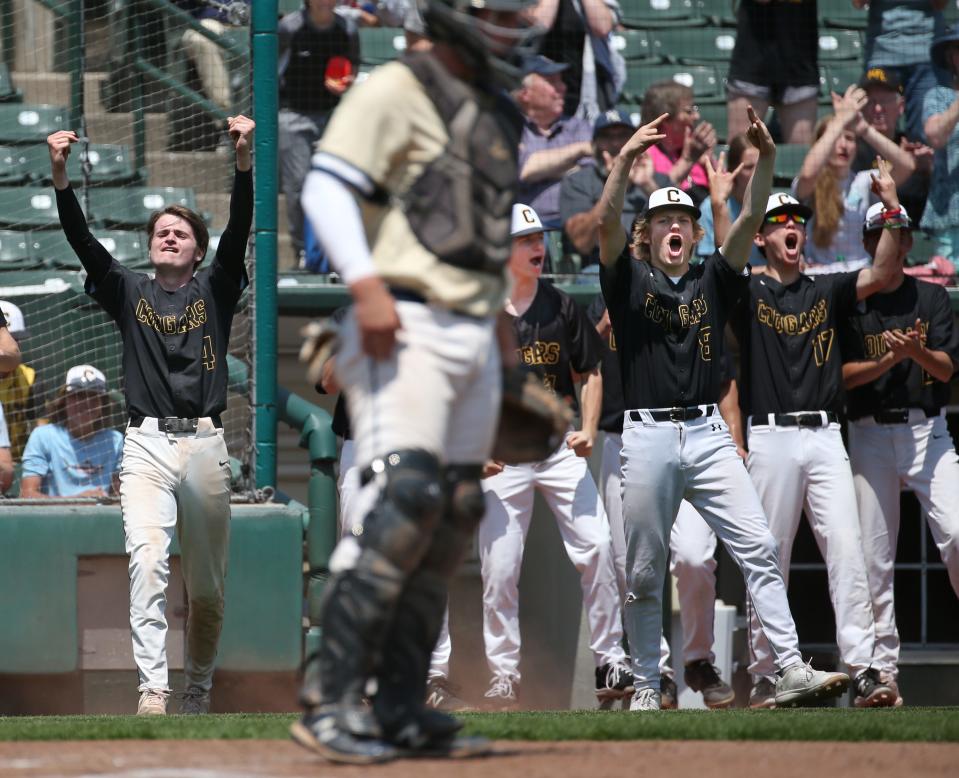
674,246
792,246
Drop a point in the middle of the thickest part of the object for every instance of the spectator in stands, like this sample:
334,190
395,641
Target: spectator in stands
205,55
774,62
581,189
6,460
76,454
727,184
18,388
319,54
552,142
898,36
578,34
884,106
940,114
838,196
681,155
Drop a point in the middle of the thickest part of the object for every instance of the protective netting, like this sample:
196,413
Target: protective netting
147,85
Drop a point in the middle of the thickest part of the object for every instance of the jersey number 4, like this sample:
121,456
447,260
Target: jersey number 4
822,346
209,355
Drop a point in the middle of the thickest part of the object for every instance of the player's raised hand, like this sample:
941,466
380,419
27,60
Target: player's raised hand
758,134
721,180
241,132
883,186
646,136
58,144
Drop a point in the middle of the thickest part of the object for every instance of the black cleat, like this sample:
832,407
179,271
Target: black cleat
668,693
702,676
871,692
322,734
614,681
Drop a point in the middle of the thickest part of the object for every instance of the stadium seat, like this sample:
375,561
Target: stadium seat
8,94
632,110
289,6
127,248
841,14
837,77
789,159
698,45
703,79
15,251
721,13
127,207
715,114
923,248
652,14
839,45
28,207
381,44
633,45
51,248
108,164
21,123
13,165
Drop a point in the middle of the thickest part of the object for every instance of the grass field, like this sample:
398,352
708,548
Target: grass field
903,725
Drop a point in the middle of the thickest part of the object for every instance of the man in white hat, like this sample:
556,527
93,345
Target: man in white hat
17,381
77,454
557,342
668,319
791,395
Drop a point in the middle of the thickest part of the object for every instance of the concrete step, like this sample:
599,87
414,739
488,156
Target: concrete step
204,171
118,128
54,89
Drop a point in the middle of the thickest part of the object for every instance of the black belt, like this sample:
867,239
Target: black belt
898,416
675,414
174,424
810,419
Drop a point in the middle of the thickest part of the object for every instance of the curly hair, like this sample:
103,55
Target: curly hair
639,241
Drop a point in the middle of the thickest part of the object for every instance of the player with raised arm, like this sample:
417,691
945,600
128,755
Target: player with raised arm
668,319
175,470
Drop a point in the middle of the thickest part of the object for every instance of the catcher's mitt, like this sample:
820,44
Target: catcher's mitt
320,342
532,422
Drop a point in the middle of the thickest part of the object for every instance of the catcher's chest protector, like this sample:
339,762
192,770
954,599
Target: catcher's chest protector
460,207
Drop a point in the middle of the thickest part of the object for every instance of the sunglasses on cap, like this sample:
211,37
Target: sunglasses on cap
782,218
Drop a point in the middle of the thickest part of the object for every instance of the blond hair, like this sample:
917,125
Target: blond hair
827,203
639,240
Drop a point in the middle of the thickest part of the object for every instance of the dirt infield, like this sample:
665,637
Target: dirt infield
677,759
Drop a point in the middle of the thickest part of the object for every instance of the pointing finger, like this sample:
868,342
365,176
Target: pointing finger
751,114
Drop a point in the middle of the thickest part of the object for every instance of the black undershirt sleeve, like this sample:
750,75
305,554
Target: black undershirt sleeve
95,259
231,252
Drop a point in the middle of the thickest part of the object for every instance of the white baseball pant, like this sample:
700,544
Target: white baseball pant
175,482
663,463
886,458
356,501
693,561
565,482
797,468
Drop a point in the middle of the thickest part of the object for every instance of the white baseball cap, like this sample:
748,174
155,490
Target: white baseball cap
85,378
14,316
670,197
874,220
783,202
525,221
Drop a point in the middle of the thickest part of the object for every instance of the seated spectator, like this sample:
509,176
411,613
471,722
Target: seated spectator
6,460
838,196
319,55
18,386
688,140
727,184
884,106
899,34
940,115
552,142
76,454
580,190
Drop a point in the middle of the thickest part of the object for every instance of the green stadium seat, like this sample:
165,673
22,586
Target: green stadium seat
789,159
285,7
721,13
108,164
839,45
13,165
837,76
923,248
698,45
703,79
633,45
632,110
841,14
8,93
715,114
15,251
127,207
51,248
652,14
21,123
127,248
381,44
28,207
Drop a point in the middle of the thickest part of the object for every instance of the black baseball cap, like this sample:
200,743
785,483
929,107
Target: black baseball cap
881,77
612,118
544,66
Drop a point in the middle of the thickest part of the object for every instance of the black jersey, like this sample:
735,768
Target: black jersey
611,417
905,385
554,337
174,343
669,336
789,343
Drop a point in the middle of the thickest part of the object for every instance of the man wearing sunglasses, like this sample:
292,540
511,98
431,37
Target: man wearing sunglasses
791,393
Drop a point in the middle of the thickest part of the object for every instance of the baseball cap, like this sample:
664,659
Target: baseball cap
14,316
874,220
670,197
525,221
85,378
881,77
937,52
544,66
612,118
781,202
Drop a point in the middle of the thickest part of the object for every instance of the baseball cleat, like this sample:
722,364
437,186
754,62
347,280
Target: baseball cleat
322,734
668,693
195,701
800,684
871,692
892,683
702,676
614,681
442,695
646,699
763,694
152,702
502,695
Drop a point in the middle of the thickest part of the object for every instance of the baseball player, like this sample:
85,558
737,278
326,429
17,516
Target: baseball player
691,542
901,350
18,384
410,195
175,471
792,397
555,341
668,319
